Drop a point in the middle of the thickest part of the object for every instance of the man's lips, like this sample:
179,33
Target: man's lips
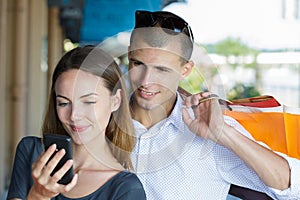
147,94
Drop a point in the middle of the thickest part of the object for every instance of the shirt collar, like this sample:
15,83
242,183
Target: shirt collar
175,118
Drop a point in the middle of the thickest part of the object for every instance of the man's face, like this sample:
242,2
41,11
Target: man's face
154,75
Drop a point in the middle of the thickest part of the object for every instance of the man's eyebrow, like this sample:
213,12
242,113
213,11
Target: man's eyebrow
162,67
135,60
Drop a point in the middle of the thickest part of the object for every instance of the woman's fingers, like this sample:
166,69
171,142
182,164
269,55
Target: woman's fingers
62,171
54,161
44,165
41,161
71,184
45,183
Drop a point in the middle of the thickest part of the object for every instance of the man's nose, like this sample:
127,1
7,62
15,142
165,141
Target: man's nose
148,76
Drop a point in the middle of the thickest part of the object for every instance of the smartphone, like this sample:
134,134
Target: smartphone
62,142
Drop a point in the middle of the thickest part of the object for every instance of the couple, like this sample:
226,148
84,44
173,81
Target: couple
180,150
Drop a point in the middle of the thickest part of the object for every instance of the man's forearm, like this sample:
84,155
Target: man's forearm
270,167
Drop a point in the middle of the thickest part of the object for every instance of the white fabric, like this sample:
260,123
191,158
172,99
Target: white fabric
173,163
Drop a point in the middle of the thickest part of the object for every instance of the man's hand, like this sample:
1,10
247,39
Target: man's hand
208,118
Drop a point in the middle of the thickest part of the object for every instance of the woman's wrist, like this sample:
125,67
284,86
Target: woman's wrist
34,195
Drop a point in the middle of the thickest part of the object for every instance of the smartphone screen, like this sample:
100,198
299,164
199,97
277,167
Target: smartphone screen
62,142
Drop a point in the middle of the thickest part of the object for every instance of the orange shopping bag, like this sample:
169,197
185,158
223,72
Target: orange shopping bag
267,127
292,130
279,129
267,121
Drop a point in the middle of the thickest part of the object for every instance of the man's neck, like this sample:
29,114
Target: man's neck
151,117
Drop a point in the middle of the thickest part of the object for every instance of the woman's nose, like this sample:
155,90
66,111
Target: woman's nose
76,113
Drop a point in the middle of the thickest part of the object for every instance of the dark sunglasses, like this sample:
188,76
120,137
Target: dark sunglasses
166,20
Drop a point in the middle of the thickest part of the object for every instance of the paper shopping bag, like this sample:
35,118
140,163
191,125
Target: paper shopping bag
292,130
267,127
264,101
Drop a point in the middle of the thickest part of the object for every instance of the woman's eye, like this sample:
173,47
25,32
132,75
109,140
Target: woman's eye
62,104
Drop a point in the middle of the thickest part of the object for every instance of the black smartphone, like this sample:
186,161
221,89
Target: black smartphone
62,142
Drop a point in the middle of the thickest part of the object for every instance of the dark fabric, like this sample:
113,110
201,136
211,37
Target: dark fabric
29,148
124,185
247,194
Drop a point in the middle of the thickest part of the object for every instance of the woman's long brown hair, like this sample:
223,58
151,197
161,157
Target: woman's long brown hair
120,130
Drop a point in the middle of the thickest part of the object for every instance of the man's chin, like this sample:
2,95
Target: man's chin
149,106
146,105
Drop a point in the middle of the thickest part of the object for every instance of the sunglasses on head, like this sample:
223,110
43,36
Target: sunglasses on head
162,19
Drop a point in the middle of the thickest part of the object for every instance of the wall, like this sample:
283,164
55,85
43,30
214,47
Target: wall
23,78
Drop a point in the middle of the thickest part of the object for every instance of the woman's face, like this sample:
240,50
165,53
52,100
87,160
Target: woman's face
84,105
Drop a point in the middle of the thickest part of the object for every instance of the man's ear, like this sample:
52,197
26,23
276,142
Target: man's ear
116,100
187,69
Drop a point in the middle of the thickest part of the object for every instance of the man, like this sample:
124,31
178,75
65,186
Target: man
186,149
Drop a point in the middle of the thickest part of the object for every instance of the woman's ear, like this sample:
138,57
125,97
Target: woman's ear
187,69
116,100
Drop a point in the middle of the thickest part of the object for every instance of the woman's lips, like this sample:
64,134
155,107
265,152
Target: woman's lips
79,128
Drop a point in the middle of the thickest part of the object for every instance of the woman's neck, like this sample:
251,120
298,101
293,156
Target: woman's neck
95,155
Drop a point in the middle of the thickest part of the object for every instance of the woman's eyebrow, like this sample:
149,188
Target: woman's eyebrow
83,96
61,96
89,94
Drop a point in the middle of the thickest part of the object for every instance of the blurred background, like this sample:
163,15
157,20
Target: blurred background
242,49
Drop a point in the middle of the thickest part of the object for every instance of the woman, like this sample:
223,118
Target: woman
88,102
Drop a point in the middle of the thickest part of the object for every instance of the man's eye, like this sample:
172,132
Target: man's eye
90,102
162,69
136,63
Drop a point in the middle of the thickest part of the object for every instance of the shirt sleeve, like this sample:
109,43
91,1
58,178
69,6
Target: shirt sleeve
21,180
293,192
252,181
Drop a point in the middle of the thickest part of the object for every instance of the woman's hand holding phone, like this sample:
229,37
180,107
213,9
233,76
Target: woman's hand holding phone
45,180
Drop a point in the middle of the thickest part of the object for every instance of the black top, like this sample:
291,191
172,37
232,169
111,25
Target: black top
124,185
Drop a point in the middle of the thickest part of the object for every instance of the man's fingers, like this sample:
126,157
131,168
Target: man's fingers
196,99
186,116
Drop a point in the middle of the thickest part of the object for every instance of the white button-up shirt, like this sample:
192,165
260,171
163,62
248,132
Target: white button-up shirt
174,163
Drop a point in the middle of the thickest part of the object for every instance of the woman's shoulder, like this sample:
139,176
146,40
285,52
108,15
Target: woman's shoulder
31,143
128,176
128,186
125,180
31,140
